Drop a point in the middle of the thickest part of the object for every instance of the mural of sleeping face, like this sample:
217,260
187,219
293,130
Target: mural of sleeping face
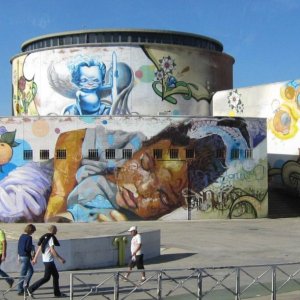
152,187
149,187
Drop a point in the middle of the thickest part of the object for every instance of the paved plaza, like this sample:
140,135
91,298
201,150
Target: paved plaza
190,244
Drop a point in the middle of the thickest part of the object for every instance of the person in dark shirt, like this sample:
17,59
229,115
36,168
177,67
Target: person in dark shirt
25,255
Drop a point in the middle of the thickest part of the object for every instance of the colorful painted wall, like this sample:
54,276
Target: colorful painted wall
279,103
85,169
127,80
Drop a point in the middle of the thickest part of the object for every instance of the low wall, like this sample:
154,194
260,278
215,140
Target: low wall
89,253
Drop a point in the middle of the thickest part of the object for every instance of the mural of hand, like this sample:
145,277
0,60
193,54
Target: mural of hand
114,216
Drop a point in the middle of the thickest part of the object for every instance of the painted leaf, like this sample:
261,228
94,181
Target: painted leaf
8,137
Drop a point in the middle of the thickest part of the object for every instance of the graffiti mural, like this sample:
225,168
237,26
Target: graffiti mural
116,81
279,104
7,142
96,169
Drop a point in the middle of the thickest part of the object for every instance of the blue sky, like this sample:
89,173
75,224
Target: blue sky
262,35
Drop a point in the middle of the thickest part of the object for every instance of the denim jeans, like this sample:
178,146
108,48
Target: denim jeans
8,279
26,272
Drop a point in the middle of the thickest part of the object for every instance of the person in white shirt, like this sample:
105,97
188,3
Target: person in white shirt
137,256
46,246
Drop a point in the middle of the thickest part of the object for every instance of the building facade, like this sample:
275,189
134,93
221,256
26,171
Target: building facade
126,72
278,103
116,125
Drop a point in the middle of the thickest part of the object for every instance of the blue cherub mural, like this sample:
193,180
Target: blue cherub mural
96,90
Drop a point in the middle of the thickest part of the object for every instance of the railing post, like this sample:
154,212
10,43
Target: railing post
199,282
116,286
238,284
71,286
159,285
273,297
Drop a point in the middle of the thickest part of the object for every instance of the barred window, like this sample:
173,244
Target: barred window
235,153
189,153
44,154
174,153
221,153
249,153
61,153
157,153
27,154
110,153
127,153
93,154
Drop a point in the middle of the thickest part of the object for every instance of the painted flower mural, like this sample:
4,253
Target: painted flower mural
25,95
166,85
235,102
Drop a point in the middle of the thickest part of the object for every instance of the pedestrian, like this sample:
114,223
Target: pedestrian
3,247
137,256
25,255
47,244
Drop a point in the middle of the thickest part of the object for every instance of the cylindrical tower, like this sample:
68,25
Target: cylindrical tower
119,72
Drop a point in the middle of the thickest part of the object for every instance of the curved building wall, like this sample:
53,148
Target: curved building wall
148,79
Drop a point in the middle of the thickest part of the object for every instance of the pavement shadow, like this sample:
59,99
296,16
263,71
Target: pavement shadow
169,257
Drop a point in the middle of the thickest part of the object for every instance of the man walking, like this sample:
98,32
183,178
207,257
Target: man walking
137,256
25,248
46,246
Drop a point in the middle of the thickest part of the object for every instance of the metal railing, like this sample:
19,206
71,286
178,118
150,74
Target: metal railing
4,294
231,282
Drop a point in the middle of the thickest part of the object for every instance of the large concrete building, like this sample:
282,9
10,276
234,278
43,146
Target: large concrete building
118,125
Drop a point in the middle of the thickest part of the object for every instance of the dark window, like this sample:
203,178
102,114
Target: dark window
189,153
127,153
157,153
248,153
174,153
93,154
92,38
110,153
61,153
27,154
221,153
235,153
44,154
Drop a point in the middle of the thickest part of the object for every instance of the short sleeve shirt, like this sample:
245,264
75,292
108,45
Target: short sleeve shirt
135,242
2,238
47,256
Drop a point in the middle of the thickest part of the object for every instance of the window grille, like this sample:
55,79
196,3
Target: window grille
93,154
110,153
174,153
235,153
157,153
189,153
44,154
127,153
61,153
249,153
27,154
221,153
